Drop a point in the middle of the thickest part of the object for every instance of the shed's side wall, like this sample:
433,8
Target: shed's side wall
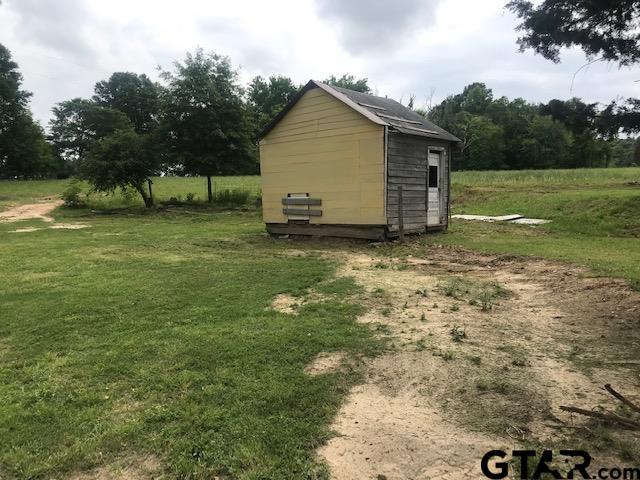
407,166
326,149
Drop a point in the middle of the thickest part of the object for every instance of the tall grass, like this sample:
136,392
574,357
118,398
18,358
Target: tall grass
542,178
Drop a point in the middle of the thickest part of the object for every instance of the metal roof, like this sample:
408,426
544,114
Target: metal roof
380,110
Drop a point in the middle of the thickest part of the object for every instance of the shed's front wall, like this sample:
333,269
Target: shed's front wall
407,163
324,148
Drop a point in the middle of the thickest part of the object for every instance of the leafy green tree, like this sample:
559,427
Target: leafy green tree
13,99
601,28
547,144
619,117
267,97
134,95
24,153
204,120
120,160
349,82
77,123
623,152
482,143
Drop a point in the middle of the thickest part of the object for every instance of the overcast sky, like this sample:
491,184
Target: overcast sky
402,46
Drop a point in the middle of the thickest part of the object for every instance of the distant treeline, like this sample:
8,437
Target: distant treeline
498,133
199,120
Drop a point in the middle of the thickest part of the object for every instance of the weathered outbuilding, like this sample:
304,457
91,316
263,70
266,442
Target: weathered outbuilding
335,162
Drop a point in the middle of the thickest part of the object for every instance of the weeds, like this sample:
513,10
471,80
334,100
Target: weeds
458,333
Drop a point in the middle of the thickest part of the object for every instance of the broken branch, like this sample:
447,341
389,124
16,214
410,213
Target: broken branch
624,400
607,417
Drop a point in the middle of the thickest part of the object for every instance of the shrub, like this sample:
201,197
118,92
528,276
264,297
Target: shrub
232,197
71,194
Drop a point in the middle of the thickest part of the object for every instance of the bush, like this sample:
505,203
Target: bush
232,197
71,194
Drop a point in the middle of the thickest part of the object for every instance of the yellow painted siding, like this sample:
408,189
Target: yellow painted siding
324,148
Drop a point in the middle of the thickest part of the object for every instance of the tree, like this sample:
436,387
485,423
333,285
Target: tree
350,83
579,118
267,97
608,29
204,120
24,153
120,160
546,145
134,95
77,123
482,143
619,117
13,100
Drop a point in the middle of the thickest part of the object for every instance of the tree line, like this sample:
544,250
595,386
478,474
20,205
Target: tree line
199,120
499,133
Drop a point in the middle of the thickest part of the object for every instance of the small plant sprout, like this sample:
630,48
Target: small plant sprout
455,307
458,333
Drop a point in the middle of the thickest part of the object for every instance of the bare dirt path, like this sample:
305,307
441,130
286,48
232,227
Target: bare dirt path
30,211
485,350
37,211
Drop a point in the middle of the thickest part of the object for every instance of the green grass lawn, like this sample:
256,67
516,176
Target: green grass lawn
151,333
595,216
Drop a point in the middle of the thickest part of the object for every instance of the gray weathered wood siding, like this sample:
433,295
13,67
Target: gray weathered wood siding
407,166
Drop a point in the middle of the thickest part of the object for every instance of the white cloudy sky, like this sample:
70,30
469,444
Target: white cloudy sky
402,46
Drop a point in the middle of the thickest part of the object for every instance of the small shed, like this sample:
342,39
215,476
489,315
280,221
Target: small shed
335,162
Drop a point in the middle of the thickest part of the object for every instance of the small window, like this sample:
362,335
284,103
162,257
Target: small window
433,176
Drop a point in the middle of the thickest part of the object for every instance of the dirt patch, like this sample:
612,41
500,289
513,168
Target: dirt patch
31,211
285,303
139,468
325,362
485,350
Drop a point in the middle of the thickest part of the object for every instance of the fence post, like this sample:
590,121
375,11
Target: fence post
400,214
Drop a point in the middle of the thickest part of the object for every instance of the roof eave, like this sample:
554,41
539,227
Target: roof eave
326,88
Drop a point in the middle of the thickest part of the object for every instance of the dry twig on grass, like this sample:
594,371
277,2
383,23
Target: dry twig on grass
624,400
606,416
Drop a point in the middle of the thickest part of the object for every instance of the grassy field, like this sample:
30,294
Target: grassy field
595,216
151,331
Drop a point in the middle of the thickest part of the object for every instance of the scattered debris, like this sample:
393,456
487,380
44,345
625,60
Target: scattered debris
513,218
69,226
531,221
25,230
609,417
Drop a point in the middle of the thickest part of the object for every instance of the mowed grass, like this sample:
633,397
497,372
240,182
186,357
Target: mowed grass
150,334
595,216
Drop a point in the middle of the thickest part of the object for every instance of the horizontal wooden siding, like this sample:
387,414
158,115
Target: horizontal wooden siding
324,148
